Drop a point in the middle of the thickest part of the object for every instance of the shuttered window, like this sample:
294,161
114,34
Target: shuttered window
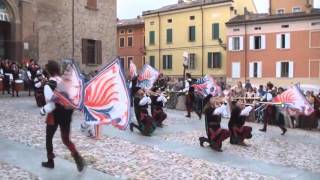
169,36
192,33
91,52
214,60
215,31
152,61
167,61
151,37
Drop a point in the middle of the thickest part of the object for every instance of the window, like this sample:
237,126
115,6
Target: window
152,23
152,61
122,59
91,52
285,26
236,43
121,42
192,61
280,11
169,36
130,31
257,42
255,70
236,30
257,28
283,41
284,69
130,41
296,9
129,58
151,38
192,33
236,70
169,20
215,31
214,60
122,31
315,23
192,17
167,61
91,4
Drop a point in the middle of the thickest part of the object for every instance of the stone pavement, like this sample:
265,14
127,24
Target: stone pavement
172,153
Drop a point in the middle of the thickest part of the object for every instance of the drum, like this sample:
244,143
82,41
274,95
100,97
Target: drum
18,85
1,84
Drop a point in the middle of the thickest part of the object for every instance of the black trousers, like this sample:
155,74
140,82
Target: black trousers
64,122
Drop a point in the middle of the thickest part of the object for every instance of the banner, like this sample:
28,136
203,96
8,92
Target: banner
207,85
147,77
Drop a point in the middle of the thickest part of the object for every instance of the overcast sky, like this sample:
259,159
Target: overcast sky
133,8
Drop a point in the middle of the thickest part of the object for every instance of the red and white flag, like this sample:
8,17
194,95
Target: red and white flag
147,77
133,70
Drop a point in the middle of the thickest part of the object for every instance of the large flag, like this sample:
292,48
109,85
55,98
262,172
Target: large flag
207,85
293,98
133,70
104,99
147,77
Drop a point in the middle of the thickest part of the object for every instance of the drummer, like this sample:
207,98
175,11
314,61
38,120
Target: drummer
16,82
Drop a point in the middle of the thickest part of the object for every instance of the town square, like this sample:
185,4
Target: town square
159,89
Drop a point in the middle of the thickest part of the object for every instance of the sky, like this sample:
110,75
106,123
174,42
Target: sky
132,8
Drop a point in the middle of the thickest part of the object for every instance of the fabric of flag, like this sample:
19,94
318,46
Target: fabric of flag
104,99
147,77
293,98
207,85
133,70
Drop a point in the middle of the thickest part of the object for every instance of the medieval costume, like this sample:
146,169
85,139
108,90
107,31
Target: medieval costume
239,132
39,82
146,124
215,134
15,76
158,102
57,115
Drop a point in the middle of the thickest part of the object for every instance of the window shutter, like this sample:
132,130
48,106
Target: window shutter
99,52
291,67
241,43
192,33
251,69
151,37
251,42
215,31
278,70
278,41
84,51
288,41
259,69
169,35
170,62
230,43
236,70
263,41
209,60
164,63
219,60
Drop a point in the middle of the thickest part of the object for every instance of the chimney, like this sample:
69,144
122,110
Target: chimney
270,7
308,6
246,13
180,1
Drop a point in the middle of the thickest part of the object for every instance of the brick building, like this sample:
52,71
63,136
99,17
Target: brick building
57,29
130,42
282,47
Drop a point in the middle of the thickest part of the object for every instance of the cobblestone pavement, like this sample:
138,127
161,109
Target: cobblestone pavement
9,172
21,122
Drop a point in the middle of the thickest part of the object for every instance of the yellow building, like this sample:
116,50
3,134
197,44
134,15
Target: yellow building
196,27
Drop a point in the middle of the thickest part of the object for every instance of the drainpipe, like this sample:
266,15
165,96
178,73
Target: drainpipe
159,41
72,29
245,51
202,43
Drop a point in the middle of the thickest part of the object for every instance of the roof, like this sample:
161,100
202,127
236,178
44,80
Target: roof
130,22
184,5
266,18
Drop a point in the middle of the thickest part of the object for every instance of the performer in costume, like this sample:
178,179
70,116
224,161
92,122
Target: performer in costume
190,94
146,124
216,135
15,74
158,102
39,82
57,115
239,132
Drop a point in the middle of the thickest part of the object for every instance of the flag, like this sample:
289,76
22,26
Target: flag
133,70
103,100
147,77
293,98
207,85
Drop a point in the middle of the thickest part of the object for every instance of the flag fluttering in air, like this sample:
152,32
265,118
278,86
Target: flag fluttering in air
147,77
207,85
133,70
293,98
104,99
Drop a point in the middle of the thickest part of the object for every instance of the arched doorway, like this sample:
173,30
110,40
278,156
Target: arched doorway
5,36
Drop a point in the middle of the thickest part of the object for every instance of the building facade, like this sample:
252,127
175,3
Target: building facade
130,42
195,27
281,48
40,29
